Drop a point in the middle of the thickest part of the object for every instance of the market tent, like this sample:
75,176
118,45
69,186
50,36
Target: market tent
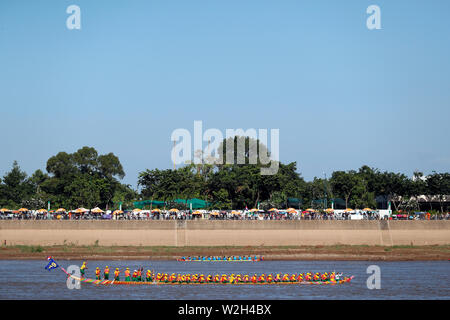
273,209
117,212
196,203
294,202
4,210
214,213
97,210
61,210
156,210
42,211
152,203
367,209
196,213
23,210
348,210
137,210
174,210
235,212
80,210
329,210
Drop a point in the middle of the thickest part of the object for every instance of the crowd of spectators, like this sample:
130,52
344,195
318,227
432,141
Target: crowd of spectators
216,215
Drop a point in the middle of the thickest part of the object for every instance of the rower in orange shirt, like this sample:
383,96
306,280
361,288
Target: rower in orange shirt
97,273
127,274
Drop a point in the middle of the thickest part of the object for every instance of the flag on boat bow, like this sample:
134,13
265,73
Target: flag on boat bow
51,264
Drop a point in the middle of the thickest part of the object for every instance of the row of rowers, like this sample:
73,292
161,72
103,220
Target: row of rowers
137,275
150,276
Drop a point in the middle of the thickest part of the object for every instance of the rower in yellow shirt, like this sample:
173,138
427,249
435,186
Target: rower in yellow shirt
116,274
149,276
106,273
83,269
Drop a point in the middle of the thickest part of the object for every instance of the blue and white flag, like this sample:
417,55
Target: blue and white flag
51,264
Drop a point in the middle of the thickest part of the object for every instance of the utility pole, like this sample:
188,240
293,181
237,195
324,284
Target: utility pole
174,161
325,190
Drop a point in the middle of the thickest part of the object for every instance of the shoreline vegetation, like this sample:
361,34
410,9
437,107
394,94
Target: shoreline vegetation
293,253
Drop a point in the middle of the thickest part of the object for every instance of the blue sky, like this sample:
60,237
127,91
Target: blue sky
341,95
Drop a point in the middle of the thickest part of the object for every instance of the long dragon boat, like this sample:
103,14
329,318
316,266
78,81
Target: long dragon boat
229,281
112,282
220,259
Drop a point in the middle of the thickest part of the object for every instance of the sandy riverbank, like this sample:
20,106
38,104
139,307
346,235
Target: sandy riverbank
336,252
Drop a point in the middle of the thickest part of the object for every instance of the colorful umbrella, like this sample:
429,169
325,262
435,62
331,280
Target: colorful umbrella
196,213
23,210
156,210
42,211
61,210
174,210
136,210
117,212
97,210
5,210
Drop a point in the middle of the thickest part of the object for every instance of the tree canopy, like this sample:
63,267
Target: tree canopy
87,179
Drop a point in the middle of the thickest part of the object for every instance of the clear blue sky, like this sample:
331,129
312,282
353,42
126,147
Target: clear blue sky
341,95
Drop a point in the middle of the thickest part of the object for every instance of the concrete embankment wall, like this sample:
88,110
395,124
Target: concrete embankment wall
225,233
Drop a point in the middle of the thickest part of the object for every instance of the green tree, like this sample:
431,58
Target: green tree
15,187
344,183
438,185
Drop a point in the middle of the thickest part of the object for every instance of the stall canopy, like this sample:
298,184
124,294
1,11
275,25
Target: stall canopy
294,202
153,203
196,203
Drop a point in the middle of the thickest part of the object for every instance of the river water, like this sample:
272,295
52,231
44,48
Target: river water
399,280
